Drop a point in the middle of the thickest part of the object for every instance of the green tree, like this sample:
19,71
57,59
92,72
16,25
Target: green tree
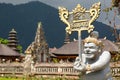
3,41
115,3
19,47
115,7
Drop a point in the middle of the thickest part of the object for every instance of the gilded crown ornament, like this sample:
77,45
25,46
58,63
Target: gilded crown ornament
80,18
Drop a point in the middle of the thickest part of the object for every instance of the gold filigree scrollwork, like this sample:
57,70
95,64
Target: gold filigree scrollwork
63,14
79,19
94,14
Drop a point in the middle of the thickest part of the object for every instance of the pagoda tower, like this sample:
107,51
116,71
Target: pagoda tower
39,47
12,40
67,39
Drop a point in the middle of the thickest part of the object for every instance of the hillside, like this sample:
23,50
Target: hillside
24,18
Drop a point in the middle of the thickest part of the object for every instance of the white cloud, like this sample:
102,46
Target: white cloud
14,1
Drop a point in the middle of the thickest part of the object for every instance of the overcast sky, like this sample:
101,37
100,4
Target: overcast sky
56,3
70,4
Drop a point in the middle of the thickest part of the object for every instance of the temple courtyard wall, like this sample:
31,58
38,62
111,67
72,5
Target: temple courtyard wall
48,70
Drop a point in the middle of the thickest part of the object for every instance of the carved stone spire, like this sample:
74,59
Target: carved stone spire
12,40
39,38
39,47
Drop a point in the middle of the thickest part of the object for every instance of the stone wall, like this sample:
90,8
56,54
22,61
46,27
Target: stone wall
47,69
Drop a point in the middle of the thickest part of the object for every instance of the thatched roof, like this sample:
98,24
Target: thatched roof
72,48
109,45
7,51
67,49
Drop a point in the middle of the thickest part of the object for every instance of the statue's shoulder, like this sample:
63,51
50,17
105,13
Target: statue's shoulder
106,54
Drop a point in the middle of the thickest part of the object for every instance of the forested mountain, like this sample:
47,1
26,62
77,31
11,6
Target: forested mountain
24,18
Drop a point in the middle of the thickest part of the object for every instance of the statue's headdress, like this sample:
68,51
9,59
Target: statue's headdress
93,40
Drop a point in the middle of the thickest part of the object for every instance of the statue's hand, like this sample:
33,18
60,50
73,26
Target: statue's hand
78,65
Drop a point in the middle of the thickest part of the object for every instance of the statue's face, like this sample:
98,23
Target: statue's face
90,50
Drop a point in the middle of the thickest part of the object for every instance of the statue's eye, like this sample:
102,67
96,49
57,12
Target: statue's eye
85,47
92,47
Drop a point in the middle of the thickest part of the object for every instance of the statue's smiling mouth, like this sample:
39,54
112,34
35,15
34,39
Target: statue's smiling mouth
89,55
88,52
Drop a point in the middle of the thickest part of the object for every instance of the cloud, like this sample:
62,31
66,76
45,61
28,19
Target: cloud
14,1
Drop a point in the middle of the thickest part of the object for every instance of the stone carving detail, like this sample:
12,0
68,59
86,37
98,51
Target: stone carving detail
39,47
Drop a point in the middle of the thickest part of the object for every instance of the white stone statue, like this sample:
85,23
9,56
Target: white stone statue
94,64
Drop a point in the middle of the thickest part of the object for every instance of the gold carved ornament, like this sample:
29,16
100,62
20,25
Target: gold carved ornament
80,18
